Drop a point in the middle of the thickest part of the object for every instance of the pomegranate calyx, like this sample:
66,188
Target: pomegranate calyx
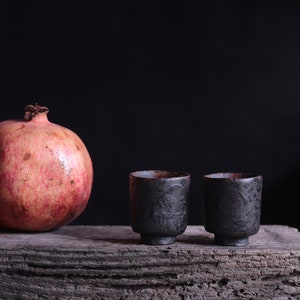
32,110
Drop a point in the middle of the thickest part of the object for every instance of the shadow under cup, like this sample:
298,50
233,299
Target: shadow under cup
159,203
232,206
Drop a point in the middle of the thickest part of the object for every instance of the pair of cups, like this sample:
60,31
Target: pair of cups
159,205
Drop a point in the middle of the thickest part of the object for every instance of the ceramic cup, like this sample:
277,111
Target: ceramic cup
159,202
232,206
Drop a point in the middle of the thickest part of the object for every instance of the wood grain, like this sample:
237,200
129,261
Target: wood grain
108,262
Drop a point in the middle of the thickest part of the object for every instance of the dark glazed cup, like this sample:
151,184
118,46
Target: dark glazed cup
232,206
159,203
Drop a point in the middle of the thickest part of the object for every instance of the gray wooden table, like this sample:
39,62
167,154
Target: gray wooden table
108,262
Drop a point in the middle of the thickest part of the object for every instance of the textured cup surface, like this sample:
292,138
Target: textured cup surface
159,202
232,206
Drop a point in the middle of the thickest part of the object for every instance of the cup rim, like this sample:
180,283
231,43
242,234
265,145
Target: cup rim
231,176
159,174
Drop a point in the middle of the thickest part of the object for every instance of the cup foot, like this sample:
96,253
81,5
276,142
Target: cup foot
157,239
229,241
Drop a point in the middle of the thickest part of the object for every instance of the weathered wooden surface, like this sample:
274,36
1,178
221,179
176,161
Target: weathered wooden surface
108,262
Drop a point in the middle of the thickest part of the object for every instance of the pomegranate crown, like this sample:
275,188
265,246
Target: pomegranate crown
32,110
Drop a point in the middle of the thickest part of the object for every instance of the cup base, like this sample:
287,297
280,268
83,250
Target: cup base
229,241
157,239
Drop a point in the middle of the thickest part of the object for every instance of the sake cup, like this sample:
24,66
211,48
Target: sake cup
232,206
159,202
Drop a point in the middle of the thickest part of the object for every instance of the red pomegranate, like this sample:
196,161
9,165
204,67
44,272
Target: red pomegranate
46,173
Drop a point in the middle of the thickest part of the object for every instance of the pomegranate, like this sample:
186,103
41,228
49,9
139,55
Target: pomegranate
46,173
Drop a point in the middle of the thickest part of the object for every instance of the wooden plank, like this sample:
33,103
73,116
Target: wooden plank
108,262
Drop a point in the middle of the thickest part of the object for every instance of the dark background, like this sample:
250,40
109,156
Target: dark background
200,86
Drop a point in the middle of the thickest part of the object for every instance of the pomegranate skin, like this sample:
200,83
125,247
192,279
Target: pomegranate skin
46,174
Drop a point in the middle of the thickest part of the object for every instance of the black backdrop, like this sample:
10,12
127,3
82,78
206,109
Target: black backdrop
200,86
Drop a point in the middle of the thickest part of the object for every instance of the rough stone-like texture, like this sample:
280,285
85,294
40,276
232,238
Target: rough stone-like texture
108,262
